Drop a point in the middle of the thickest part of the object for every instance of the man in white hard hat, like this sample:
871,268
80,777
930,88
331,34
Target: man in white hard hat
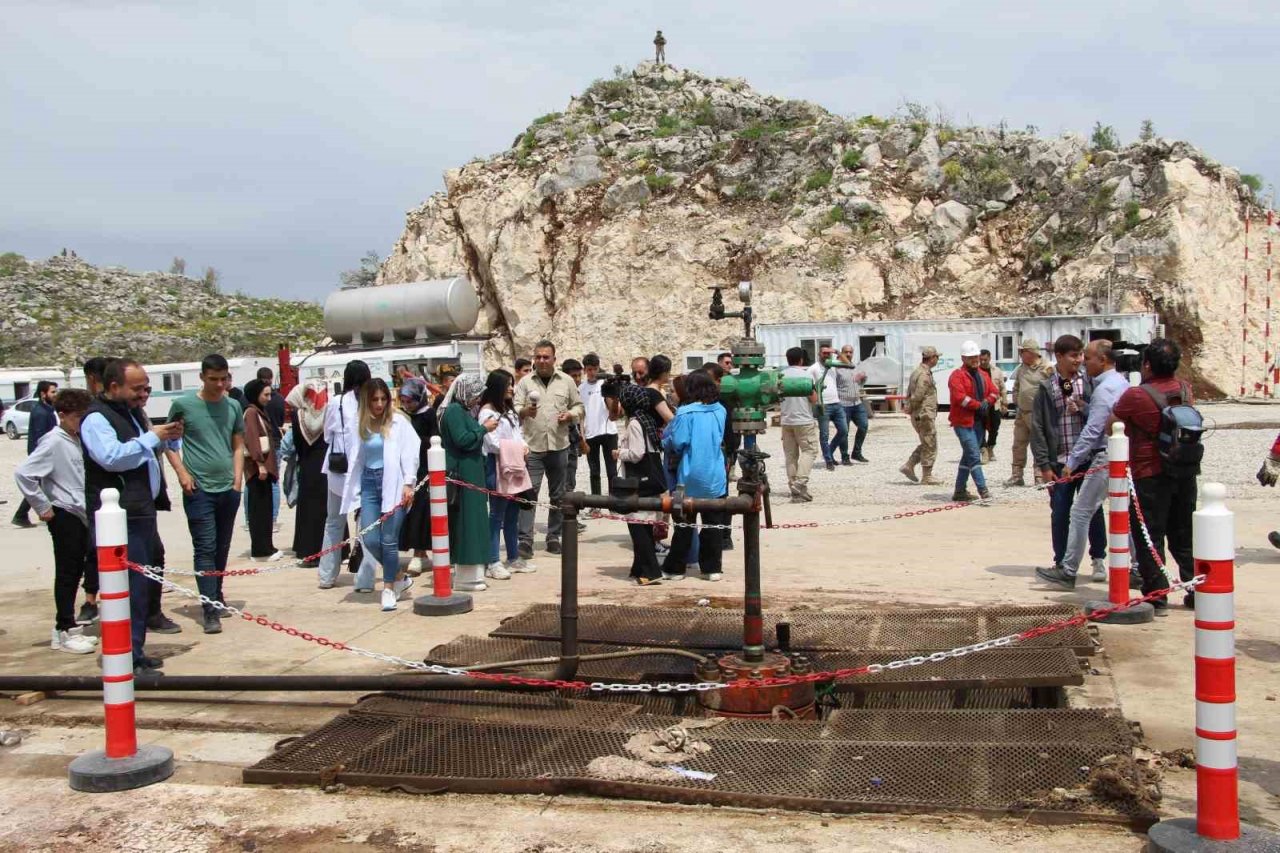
972,395
1026,384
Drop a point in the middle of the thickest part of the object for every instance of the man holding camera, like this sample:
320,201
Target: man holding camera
1057,418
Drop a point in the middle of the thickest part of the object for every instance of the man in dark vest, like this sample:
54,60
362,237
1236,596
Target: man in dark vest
120,453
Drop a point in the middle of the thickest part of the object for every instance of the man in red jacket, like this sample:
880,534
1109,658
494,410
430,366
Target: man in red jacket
972,396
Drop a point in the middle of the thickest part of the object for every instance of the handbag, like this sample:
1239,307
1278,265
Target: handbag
338,458
264,444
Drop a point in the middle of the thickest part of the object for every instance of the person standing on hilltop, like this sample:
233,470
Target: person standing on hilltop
659,48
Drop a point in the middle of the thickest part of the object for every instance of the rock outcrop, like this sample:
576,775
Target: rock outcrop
63,310
603,225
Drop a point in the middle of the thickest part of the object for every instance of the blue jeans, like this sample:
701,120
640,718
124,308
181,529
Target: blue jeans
857,416
970,457
1061,499
211,518
383,541
504,515
334,523
833,413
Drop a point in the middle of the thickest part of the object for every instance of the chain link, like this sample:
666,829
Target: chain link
1142,524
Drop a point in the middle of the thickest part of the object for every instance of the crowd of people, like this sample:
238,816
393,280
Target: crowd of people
357,460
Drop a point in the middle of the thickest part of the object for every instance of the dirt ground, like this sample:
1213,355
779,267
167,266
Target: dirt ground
974,555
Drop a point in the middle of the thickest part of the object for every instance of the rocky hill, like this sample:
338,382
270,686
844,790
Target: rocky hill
64,310
602,226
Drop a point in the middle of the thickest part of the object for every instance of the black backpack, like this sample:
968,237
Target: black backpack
1181,428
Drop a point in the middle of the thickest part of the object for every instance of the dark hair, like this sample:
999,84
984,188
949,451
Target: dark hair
544,344
713,370
659,366
611,388
677,385
795,357
1067,343
44,385
236,394
522,363
96,366
354,375
265,374
590,360
1162,356
115,370
984,352
570,364
495,391
213,361
722,355
699,387
252,391
71,401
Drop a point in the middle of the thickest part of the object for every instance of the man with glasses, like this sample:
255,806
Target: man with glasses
849,387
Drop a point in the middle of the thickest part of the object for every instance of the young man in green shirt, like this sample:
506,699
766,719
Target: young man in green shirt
210,469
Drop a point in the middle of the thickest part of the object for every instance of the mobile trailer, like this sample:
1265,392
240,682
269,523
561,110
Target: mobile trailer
173,379
421,359
889,350
19,382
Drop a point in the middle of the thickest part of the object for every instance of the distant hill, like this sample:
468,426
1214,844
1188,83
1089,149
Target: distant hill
64,310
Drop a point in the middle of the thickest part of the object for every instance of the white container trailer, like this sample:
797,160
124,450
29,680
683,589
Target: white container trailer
174,379
891,348
19,382
420,360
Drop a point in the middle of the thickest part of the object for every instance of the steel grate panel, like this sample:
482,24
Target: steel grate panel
836,775
992,669
897,629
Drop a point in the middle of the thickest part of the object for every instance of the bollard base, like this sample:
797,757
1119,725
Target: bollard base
1139,614
1179,836
448,605
94,773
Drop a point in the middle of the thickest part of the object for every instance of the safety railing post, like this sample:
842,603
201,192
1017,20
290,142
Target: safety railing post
122,765
442,601
1119,541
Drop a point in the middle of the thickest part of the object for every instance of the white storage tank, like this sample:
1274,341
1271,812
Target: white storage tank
405,312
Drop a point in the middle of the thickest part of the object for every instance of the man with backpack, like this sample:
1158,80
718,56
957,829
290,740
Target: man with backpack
1164,432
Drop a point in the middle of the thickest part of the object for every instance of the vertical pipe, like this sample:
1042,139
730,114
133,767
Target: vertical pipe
1213,548
1244,325
1118,554
1271,377
112,535
753,611
568,666
441,574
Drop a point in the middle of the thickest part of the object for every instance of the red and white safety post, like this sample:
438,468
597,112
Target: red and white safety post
1214,550
1119,542
443,601
122,765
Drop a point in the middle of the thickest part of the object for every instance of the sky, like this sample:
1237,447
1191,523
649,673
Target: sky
279,141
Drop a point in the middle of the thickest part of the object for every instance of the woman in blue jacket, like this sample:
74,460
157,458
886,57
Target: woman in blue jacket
695,438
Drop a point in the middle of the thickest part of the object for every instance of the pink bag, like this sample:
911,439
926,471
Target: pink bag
513,474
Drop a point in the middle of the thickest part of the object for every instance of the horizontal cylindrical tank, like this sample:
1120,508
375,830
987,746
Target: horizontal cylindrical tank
402,312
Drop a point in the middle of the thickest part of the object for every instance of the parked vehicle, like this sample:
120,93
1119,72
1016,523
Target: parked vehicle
17,418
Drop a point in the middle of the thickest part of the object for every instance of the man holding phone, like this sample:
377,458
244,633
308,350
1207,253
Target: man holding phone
210,467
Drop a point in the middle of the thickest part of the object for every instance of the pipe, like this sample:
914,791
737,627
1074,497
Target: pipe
735,506
629,653
239,683
752,610
567,668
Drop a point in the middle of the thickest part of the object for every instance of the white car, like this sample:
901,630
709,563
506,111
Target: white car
17,417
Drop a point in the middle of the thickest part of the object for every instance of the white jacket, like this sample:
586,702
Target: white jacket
341,411
399,466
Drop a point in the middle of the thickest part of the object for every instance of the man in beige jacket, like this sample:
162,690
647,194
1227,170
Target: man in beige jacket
921,404
1026,383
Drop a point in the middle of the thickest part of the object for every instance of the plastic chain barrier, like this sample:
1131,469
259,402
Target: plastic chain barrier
598,686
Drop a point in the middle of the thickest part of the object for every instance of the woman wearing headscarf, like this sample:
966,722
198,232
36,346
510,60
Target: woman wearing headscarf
416,533
306,419
463,440
261,441
638,451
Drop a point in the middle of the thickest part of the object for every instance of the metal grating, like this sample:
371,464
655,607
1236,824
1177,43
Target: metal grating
998,668
838,775
933,629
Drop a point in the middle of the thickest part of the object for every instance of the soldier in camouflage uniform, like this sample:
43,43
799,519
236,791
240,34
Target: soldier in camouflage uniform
922,404
659,48
1026,384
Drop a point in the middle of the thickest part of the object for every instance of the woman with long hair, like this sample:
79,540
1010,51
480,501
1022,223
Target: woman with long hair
416,534
261,441
505,452
340,434
306,422
463,440
382,472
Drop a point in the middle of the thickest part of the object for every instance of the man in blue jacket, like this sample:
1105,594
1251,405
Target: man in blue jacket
695,437
43,420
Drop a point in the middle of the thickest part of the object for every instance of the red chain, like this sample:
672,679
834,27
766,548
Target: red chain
1146,534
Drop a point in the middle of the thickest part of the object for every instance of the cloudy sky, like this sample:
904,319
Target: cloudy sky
278,141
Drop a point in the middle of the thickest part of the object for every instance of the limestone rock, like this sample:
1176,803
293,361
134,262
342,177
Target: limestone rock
625,194
871,156
577,172
949,223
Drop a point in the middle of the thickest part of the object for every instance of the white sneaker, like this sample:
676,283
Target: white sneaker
471,586
496,571
672,578
402,586
389,598
65,641
276,557
78,631
1099,570
521,567
415,566
713,576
